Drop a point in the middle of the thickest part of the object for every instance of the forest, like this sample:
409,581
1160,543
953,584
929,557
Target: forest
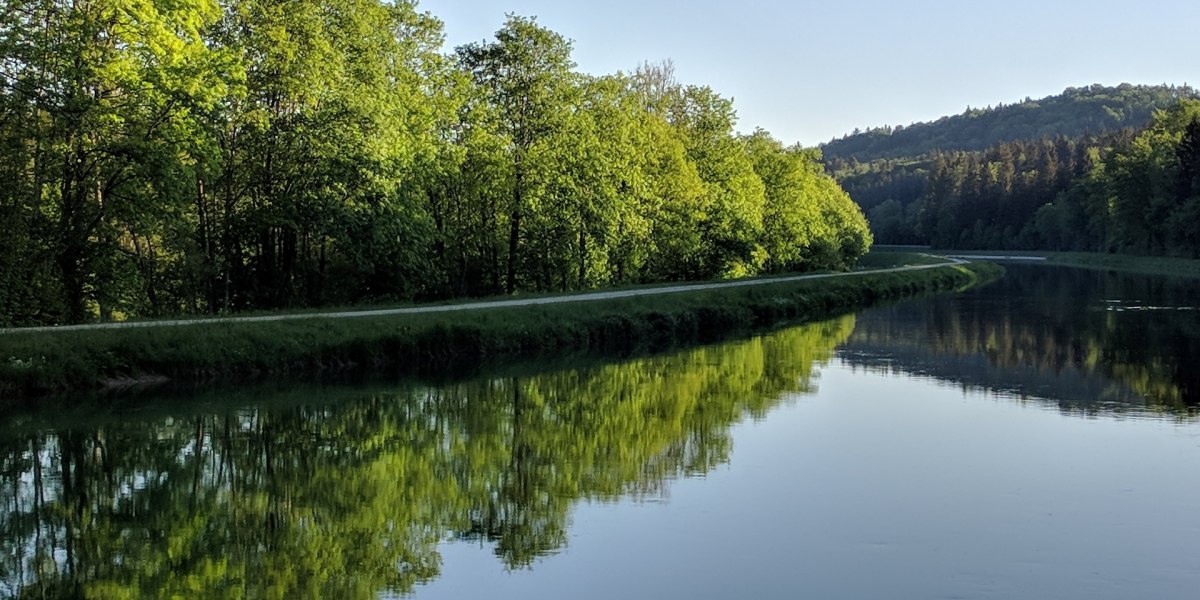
222,156
1128,190
1076,112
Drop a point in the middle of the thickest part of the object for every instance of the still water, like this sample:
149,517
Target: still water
1037,438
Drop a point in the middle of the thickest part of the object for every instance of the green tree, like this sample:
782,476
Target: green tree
1142,179
104,91
336,115
809,222
224,155
526,73
735,198
1184,236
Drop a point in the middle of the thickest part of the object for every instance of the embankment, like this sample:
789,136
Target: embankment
1128,263
39,363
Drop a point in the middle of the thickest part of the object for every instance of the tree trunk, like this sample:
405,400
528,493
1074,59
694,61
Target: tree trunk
514,237
210,279
582,257
103,300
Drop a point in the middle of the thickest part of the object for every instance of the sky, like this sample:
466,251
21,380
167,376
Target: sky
811,71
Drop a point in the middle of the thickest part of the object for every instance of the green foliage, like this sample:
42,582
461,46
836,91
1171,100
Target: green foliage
1005,197
1127,193
1075,175
809,222
94,99
732,207
1077,111
204,157
1147,188
527,75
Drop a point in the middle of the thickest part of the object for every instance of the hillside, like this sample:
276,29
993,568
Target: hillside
1128,191
1075,112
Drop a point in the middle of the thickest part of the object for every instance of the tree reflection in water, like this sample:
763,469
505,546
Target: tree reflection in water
313,499
1090,341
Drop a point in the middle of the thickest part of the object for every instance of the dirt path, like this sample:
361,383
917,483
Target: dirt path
584,297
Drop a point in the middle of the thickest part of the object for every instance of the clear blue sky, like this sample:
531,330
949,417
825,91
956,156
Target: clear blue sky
809,71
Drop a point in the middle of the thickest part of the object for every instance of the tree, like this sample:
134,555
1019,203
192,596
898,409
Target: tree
1188,153
809,222
335,118
526,73
1184,236
224,155
105,91
735,195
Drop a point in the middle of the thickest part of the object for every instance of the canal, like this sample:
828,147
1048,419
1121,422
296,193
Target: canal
1034,438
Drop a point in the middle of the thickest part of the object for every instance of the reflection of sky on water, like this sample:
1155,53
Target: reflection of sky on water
984,445
891,486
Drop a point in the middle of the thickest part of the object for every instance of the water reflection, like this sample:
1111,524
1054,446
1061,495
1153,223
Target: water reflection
345,492
1084,340
307,497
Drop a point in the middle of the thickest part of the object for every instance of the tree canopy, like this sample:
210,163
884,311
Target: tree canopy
1128,186
165,158
1127,192
1075,112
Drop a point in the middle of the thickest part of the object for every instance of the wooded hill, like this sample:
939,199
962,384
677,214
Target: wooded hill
1121,190
1074,113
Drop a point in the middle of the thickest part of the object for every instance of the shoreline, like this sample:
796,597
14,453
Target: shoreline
508,302
36,363
1169,266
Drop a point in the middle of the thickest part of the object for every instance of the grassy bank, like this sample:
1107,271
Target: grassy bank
882,257
1149,265
33,364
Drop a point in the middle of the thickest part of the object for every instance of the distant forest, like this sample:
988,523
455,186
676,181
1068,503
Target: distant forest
1128,188
162,158
1075,113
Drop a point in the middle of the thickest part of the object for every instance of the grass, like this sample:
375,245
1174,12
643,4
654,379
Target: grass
401,304
1180,267
36,364
884,257
1149,265
880,257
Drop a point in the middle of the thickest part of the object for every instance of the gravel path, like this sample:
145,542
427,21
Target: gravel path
584,297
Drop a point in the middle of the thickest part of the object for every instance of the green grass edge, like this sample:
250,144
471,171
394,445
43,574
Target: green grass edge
37,364
1169,266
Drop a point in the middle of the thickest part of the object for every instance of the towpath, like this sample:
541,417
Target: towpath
410,310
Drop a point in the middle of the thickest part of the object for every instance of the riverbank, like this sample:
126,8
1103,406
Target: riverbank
36,363
1147,265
